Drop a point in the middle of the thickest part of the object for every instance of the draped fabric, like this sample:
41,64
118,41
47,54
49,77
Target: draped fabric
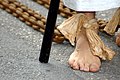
91,5
79,24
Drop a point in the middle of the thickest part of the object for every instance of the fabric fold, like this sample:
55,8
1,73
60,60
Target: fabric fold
113,23
69,27
78,23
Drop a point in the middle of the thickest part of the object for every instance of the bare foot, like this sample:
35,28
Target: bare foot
82,58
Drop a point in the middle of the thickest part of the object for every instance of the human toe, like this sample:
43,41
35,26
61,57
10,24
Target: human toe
86,67
94,67
75,66
71,62
81,66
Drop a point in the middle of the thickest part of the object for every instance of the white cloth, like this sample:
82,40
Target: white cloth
91,5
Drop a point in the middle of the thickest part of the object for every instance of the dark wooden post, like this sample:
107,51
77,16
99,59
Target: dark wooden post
49,31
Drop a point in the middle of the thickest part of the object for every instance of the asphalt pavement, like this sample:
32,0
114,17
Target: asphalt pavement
20,49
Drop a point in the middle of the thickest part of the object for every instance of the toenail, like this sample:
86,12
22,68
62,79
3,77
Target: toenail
81,68
94,69
75,68
85,69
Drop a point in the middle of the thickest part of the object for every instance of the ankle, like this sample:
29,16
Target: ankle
90,15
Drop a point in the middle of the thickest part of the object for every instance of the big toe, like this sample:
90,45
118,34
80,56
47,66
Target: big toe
94,67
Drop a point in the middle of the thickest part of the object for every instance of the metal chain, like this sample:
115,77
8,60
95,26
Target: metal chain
36,20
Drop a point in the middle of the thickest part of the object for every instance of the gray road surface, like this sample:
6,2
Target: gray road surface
20,47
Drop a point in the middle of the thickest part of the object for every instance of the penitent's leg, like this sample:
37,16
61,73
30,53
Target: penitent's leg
82,58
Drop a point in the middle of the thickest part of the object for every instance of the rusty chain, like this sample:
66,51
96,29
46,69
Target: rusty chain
36,20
